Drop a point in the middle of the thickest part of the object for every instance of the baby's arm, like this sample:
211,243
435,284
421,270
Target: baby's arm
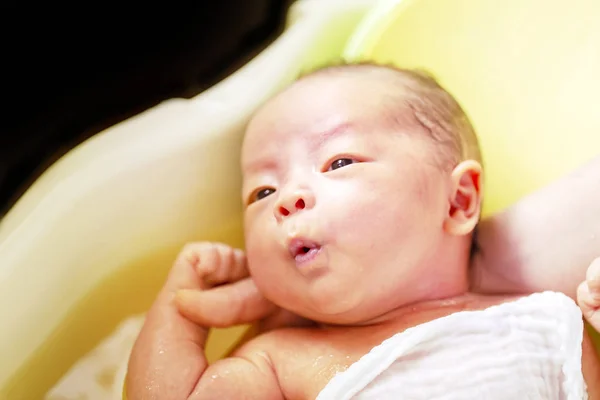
242,376
168,361
545,241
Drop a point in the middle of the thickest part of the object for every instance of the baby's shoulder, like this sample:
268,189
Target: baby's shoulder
284,340
304,359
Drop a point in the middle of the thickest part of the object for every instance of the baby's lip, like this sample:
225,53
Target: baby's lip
298,247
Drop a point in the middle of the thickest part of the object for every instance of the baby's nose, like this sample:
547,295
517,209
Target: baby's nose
292,203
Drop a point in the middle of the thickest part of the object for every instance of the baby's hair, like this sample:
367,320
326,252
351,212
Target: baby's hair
432,106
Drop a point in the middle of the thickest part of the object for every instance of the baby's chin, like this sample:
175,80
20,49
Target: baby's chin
345,314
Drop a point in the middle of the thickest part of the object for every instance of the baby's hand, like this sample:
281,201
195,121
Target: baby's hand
225,295
207,286
168,356
588,295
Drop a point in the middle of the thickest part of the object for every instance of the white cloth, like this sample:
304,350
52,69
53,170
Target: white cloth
526,349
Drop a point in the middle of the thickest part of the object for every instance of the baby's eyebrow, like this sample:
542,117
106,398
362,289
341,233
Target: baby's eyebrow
263,164
316,141
323,137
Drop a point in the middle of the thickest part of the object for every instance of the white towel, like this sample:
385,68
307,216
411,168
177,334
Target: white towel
526,349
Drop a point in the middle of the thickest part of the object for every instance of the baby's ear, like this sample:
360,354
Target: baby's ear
466,194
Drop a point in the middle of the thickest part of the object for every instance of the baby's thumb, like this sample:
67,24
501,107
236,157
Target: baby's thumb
228,305
589,304
593,279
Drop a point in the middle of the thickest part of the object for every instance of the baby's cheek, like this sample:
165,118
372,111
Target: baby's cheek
381,216
364,221
255,251
256,243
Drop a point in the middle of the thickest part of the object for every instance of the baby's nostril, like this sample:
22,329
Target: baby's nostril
283,211
300,204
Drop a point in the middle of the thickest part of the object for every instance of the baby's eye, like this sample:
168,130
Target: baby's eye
261,194
340,162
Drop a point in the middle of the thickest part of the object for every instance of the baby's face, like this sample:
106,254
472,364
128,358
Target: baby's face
344,209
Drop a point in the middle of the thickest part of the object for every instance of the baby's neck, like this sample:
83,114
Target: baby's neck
427,310
444,287
432,305
458,301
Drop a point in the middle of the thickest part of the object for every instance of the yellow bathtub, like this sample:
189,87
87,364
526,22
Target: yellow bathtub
90,242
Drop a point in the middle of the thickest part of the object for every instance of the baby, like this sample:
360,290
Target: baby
362,187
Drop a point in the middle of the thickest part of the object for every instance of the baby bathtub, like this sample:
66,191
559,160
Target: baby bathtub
91,241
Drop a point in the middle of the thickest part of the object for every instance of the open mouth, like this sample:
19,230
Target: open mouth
303,250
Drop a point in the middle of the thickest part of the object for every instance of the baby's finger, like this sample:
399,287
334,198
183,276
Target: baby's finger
231,266
183,274
593,279
590,307
203,265
224,306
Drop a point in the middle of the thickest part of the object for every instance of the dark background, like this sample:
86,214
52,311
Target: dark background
71,71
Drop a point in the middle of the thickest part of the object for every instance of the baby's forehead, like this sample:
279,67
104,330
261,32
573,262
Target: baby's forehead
365,96
369,98
312,108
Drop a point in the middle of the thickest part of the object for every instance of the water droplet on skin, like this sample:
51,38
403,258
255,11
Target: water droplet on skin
317,360
214,376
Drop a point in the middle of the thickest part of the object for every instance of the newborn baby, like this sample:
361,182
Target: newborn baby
362,187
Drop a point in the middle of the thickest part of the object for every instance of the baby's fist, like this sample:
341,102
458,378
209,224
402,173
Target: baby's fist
214,263
223,294
588,295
